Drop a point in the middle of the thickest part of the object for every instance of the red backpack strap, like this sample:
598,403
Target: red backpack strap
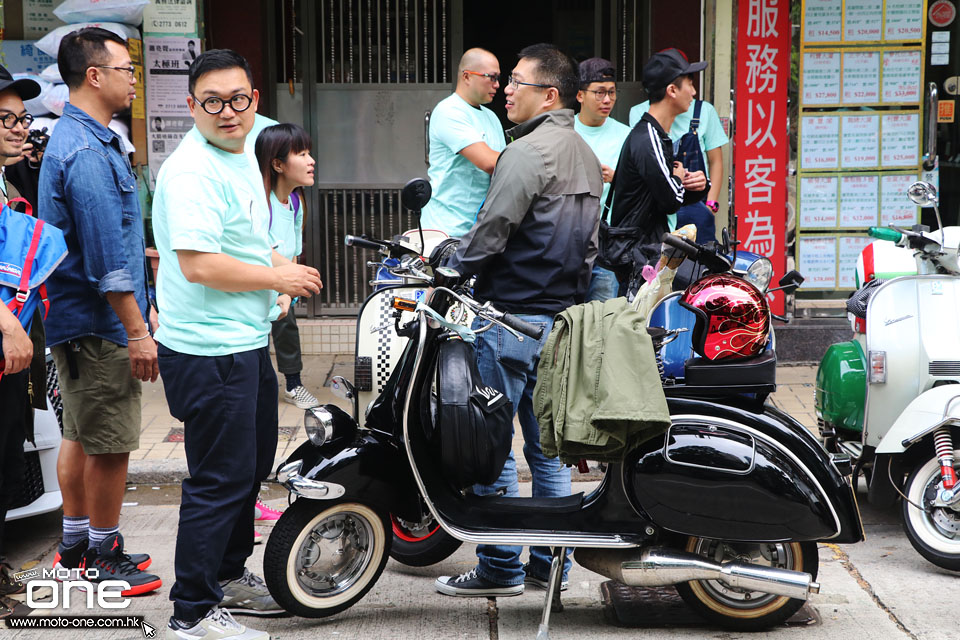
23,291
29,210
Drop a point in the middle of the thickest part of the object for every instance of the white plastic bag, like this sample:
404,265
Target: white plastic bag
35,106
54,99
125,11
52,74
50,43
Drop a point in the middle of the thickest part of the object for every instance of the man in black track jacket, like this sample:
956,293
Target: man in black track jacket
649,185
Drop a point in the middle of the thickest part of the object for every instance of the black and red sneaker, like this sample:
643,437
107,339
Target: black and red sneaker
111,563
70,557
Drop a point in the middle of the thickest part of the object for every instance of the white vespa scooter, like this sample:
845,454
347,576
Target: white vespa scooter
911,413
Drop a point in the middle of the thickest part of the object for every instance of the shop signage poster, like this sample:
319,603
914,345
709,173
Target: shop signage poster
821,78
903,20
860,142
901,76
817,261
23,56
849,251
900,140
895,207
168,117
823,21
862,20
859,200
861,77
761,148
38,18
820,142
818,202
170,16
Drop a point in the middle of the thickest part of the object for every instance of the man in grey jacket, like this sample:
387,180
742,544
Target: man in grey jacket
532,249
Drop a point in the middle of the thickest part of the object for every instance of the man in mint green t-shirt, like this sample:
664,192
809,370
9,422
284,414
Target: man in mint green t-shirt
216,289
466,139
712,138
597,95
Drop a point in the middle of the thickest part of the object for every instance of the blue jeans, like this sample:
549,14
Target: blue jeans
509,365
603,285
700,215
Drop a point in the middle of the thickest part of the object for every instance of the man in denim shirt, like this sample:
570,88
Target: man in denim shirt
98,335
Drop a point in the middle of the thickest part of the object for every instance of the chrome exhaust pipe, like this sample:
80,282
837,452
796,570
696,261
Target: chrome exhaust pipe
660,566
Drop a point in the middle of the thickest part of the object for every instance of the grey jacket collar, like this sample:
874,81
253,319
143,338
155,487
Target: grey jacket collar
559,117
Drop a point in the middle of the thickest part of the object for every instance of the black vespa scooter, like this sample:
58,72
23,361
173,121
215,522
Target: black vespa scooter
728,504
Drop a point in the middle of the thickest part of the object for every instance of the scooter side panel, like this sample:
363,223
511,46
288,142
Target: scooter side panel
914,321
841,387
732,474
925,411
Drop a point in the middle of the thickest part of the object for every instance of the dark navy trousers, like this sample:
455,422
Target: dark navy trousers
228,405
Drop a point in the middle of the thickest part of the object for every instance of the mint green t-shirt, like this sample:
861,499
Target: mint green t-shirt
459,186
606,142
212,201
286,227
711,134
259,124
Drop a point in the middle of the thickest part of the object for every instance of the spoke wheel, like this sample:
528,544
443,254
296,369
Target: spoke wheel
934,532
744,609
420,544
322,558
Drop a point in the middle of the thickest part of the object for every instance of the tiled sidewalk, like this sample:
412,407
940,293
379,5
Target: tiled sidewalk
161,437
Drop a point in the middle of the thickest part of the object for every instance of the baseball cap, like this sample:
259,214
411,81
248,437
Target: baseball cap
597,70
26,88
666,66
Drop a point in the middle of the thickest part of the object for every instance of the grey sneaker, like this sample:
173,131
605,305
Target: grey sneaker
248,595
218,624
301,397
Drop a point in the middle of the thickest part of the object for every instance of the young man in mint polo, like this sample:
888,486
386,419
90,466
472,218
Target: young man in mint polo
466,139
218,291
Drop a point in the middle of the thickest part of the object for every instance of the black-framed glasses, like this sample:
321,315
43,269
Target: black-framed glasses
492,77
239,103
10,120
130,70
603,93
515,84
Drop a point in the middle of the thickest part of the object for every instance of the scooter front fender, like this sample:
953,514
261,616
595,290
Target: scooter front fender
370,468
924,414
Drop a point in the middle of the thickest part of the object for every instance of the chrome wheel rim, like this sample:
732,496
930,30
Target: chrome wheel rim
777,555
334,554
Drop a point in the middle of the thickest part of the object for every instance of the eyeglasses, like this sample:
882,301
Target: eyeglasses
515,84
10,120
603,93
492,77
130,70
239,103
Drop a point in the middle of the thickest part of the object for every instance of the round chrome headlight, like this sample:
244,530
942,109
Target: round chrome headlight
318,423
759,274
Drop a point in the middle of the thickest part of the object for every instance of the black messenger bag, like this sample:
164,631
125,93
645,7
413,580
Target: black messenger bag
469,424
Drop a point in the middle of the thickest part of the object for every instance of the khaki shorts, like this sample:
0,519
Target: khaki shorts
101,408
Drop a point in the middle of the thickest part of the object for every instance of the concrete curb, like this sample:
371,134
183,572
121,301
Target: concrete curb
156,471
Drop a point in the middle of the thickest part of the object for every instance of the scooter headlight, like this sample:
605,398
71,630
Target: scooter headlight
759,274
318,423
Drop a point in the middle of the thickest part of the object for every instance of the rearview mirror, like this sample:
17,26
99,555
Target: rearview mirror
415,194
923,194
790,282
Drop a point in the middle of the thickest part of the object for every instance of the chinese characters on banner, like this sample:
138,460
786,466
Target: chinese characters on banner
760,141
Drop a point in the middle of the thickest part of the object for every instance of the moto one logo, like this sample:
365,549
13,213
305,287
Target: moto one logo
106,594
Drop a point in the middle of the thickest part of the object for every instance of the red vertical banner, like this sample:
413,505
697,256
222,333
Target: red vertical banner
761,144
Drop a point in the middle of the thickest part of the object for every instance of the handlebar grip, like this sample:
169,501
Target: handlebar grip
522,326
679,243
363,243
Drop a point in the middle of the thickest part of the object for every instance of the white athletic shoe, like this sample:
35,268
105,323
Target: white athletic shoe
301,397
218,623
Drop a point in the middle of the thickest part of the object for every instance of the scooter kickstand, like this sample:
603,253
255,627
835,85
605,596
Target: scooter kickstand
552,600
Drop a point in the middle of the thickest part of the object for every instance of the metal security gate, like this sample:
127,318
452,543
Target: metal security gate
360,75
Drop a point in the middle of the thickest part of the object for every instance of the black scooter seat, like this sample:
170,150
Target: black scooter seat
533,506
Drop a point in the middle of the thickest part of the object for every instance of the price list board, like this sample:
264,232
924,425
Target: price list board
860,129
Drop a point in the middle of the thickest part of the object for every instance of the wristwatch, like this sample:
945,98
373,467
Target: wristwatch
713,205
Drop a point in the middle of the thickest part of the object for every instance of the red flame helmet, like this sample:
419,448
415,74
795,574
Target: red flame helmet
733,319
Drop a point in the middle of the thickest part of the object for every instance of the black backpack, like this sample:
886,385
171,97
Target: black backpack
687,150
469,425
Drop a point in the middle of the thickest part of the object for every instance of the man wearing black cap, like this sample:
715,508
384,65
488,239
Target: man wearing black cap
17,349
650,185
605,135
